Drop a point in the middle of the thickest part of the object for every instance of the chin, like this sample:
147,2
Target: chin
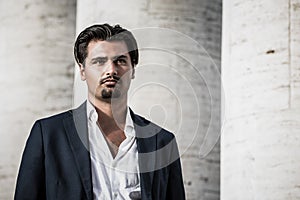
108,93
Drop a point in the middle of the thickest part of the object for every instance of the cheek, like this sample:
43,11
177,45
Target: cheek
128,73
126,76
92,78
127,80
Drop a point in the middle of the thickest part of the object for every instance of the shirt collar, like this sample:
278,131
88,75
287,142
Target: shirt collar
129,127
92,116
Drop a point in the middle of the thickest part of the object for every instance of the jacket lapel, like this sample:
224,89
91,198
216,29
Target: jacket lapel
77,134
147,146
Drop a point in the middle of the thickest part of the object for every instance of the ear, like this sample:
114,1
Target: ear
133,72
82,72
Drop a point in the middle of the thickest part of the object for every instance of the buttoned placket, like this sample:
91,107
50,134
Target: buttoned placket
103,157
123,148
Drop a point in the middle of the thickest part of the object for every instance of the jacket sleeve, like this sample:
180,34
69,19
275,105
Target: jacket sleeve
175,188
31,177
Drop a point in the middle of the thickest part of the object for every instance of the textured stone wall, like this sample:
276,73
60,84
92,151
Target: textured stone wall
177,82
261,76
36,76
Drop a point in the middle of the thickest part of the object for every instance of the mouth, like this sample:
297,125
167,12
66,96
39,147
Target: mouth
109,82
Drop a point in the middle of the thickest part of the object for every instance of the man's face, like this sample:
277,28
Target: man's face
108,70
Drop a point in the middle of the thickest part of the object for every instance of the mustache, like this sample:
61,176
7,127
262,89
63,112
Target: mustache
113,77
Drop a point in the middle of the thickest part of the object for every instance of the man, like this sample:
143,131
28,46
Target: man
101,150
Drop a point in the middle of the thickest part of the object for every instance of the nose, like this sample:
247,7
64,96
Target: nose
111,69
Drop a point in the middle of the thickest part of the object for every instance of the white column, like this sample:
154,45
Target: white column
261,75
168,89
36,76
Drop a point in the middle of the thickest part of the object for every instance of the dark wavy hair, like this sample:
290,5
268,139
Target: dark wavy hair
105,32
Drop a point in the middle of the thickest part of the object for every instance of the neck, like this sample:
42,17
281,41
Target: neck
114,111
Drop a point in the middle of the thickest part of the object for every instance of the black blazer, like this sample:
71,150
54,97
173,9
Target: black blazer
56,162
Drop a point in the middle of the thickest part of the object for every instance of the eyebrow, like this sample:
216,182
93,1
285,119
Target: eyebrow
114,58
119,57
99,58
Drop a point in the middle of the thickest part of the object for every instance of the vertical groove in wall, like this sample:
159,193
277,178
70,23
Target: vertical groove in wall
36,56
289,53
261,137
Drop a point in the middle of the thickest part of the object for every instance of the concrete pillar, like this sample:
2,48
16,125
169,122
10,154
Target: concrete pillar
261,76
177,82
36,76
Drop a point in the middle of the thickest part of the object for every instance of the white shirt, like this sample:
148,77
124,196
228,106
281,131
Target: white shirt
113,178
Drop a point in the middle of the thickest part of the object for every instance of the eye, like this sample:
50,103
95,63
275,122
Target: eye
121,61
99,61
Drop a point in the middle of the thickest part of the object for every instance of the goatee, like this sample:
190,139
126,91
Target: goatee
109,94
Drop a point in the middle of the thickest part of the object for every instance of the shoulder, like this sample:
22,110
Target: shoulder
150,129
57,117
57,120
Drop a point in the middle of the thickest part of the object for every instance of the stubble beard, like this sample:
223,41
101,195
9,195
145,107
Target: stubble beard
109,93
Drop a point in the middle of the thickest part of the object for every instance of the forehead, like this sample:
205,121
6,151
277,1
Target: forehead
106,48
